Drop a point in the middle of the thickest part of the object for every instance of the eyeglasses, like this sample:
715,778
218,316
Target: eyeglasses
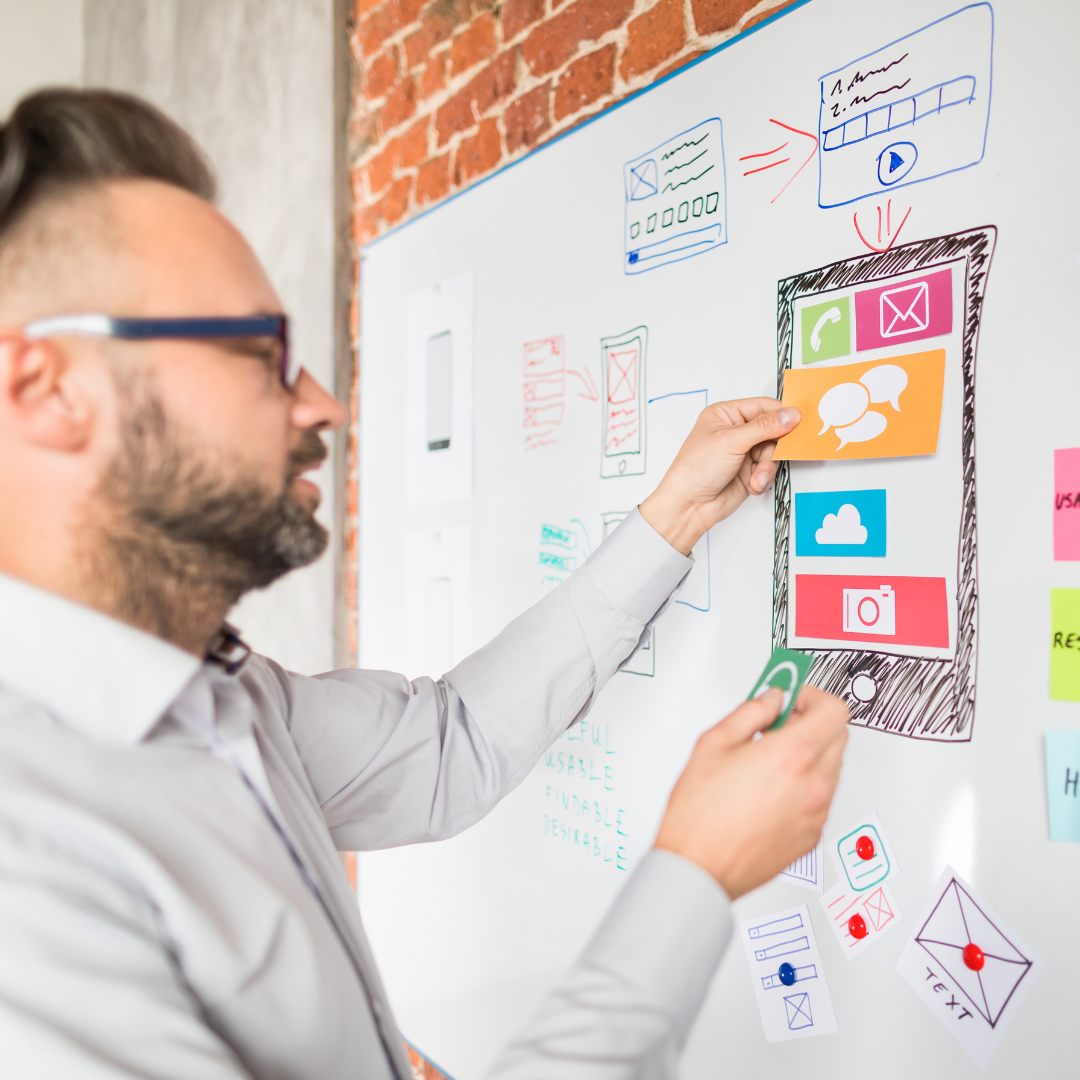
249,326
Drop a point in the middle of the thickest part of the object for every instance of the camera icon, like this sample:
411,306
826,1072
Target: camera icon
870,611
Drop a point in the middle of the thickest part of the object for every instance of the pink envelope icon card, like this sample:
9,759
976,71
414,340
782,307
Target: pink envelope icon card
863,856
858,919
968,965
909,309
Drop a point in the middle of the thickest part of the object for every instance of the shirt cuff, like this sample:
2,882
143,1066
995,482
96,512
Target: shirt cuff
636,568
666,933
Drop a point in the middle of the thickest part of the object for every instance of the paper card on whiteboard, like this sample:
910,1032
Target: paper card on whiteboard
968,966
789,980
858,919
809,871
1062,784
1065,644
863,856
438,598
439,427
1067,505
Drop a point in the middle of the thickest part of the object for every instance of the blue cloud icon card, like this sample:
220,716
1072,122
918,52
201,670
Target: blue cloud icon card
676,199
841,523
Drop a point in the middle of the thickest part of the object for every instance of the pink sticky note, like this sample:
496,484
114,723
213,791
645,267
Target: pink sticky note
1067,505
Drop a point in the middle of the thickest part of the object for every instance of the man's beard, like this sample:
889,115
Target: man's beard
172,544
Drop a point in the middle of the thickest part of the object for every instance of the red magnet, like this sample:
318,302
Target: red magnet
856,927
864,847
973,957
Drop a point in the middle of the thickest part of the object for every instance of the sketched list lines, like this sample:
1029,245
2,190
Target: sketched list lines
917,697
546,382
561,550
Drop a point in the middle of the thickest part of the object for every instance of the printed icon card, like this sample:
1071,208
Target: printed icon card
788,977
786,671
968,965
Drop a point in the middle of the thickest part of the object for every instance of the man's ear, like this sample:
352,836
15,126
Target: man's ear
41,396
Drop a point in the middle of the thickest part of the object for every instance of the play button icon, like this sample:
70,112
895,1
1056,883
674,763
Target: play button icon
895,162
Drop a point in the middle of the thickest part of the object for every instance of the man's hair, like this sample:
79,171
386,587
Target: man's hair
59,140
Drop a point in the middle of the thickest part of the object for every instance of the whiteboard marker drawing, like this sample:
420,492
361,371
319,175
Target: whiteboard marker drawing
622,439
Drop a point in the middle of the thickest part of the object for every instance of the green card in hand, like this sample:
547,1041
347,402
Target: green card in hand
786,670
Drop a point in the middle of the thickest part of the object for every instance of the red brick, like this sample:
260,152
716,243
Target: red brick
365,224
363,129
362,7
464,110
400,105
379,171
433,180
763,15
380,73
412,147
585,81
653,37
394,204
682,61
712,16
438,21
527,118
478,154
432,77
385,21
552,43
516,15
473,45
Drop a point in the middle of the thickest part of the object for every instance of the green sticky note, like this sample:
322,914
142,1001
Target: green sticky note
787,671
826,330
1062,782
1065,644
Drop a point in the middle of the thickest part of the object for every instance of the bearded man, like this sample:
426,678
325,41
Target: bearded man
171,901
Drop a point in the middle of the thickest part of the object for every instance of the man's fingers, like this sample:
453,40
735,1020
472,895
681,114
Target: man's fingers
767,426
754,715
764,469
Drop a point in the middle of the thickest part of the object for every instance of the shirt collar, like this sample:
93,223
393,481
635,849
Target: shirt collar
100,676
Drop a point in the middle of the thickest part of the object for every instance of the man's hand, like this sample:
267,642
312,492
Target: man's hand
726,457
744,809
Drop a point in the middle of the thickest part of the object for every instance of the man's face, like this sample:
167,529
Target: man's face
202,478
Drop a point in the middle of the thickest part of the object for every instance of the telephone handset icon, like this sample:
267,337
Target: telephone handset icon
833,315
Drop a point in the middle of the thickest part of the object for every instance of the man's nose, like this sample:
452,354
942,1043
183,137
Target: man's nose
315,407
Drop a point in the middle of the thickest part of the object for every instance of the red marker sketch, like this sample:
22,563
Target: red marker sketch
758,163
545,385
888,235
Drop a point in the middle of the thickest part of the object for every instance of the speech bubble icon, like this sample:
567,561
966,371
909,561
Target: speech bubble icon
886,383
869,426
841,404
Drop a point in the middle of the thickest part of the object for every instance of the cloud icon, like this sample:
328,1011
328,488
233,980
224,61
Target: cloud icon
843,527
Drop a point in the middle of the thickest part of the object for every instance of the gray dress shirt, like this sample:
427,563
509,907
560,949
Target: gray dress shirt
171,900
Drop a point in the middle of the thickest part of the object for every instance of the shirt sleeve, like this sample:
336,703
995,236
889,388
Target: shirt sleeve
624,1010
393,761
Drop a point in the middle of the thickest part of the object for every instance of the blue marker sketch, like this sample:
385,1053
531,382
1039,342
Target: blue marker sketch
911,111
782,948
841,523
798,1010
806,869
676,199
775,926
802,974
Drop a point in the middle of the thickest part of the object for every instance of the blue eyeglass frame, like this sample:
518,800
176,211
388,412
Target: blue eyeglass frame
246,326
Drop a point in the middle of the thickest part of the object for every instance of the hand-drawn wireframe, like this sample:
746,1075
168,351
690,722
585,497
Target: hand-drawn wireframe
544,388
968,966
562,550
643,662
771,159
797,1007
924,697
622,436
916,109
676,199
787,975
863,856
807,872
859,919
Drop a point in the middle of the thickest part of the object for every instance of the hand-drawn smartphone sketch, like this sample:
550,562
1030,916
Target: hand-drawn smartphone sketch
916,109
622,436
900,645
787,974
676,199
970,969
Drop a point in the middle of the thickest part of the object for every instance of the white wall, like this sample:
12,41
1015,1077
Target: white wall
41,44
253,81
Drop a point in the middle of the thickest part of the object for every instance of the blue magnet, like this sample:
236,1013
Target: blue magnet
787,974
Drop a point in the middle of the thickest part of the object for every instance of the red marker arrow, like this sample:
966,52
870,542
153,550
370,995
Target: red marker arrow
781,155
885,235
590,393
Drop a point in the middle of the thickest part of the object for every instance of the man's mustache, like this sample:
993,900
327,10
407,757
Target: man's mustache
311,451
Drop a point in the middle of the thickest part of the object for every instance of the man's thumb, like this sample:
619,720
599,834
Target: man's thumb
766,427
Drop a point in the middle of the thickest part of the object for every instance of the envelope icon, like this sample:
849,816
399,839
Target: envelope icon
957,921
905,310
622,376
643,180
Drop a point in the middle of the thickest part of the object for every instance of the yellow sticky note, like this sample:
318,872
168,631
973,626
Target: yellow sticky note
1065,644
875,409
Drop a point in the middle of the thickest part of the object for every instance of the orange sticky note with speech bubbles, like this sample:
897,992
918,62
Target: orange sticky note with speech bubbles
883,408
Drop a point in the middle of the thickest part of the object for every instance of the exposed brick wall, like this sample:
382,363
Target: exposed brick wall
448,90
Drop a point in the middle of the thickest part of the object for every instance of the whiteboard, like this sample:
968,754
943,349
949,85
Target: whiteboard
578,308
